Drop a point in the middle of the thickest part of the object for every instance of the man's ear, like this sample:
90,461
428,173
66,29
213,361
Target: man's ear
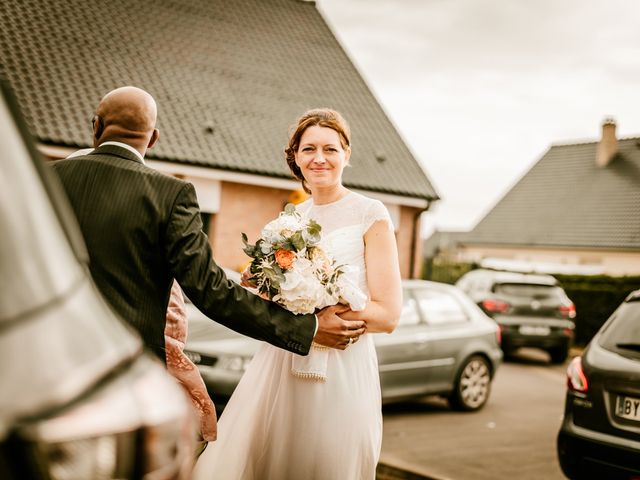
98,127
154,138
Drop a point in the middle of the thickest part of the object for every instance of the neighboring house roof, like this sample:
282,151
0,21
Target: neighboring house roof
566,200
230,78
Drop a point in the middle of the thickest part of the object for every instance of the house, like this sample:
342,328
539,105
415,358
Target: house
576,211
443,242
230,78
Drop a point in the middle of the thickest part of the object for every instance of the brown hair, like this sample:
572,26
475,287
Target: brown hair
322,117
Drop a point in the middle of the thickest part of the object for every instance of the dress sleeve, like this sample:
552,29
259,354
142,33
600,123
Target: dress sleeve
176,324
183,369
377,212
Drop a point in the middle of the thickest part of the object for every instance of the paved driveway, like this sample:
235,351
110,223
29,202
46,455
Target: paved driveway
513,437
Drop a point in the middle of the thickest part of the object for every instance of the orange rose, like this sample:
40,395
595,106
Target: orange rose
285,258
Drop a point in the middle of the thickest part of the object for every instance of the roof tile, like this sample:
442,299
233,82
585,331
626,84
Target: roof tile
566,200
229,78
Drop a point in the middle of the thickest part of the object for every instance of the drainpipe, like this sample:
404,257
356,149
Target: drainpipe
415,235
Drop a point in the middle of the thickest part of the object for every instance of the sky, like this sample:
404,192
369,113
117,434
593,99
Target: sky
480,89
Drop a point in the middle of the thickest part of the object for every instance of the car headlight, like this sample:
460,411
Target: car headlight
84,458
119,430
236,363
152,452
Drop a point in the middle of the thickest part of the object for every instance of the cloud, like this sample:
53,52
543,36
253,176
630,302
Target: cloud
479,89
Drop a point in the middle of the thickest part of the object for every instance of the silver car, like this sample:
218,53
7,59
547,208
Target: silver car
443,345
79,396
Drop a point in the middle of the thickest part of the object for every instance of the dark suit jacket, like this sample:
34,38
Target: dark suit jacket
142,229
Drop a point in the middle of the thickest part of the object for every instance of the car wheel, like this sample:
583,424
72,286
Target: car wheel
472,385
558,354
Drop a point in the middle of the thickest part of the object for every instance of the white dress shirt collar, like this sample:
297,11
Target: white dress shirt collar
128,147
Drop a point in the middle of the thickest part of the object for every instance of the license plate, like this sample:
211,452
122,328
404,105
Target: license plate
534,330
628,407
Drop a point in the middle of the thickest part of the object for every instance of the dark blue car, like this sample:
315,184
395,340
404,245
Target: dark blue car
600,433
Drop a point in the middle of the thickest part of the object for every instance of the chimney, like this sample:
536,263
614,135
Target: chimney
608,145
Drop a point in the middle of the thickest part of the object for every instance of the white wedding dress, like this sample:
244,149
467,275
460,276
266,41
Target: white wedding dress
278,426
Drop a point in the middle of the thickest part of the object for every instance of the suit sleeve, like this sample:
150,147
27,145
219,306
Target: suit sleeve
204,282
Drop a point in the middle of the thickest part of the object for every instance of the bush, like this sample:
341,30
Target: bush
595,296
440,269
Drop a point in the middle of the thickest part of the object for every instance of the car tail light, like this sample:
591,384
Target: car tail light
576,379
495,306
568,311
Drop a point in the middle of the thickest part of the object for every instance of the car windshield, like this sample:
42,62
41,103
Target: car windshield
528,290
59,338
622,333
46,267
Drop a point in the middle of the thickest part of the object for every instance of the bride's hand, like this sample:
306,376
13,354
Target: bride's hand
348,314
336,332
341,308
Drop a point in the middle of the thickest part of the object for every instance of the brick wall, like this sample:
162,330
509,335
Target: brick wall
246,208
243,208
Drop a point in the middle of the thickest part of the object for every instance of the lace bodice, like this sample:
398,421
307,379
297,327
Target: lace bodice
344,224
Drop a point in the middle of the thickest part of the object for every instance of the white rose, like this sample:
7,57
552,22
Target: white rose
286,222
301,291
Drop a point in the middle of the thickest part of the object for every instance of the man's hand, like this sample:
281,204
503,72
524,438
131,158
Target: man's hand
335,332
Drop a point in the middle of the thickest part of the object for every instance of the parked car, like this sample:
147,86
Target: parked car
79,397
443,345
600,432
532,310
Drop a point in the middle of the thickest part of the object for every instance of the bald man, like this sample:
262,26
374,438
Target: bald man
143,229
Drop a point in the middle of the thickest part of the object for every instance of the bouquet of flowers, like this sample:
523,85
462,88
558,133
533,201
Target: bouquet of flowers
291,267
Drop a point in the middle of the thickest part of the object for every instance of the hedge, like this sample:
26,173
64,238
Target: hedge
595,296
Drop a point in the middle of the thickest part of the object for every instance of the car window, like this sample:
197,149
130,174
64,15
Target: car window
409,315
537,292
438,307
621,334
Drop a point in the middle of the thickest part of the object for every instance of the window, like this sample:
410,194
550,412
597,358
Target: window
622,333
440,307
527,290
409,315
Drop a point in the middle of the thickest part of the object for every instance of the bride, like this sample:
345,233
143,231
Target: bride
318,417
